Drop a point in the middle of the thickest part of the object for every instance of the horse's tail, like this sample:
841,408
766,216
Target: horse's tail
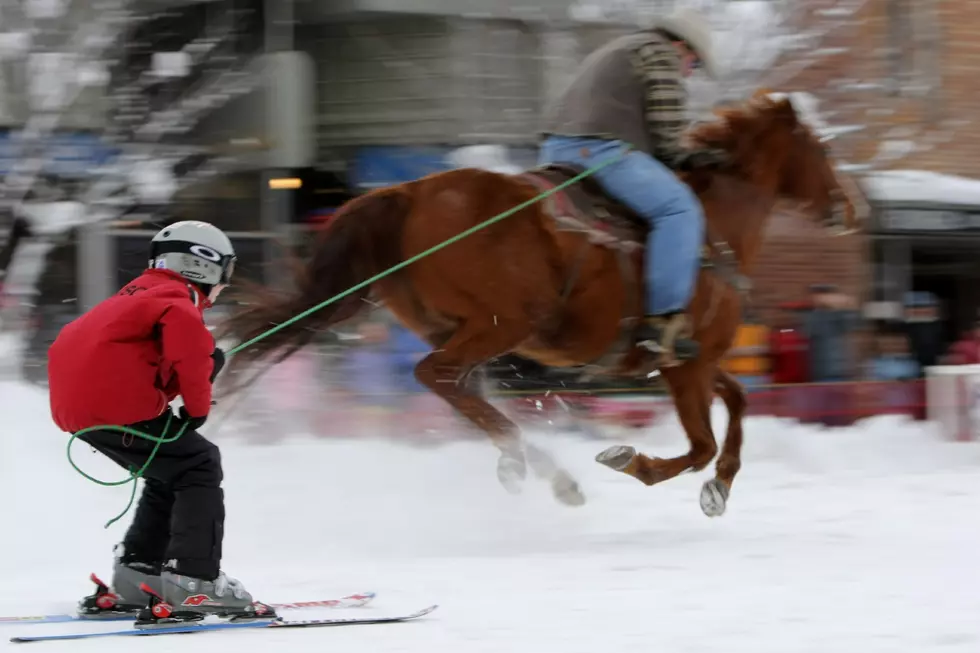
361,240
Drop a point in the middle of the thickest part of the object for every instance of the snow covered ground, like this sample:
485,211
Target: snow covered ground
862,540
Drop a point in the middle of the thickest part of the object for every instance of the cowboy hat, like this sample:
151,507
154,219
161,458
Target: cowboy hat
692,27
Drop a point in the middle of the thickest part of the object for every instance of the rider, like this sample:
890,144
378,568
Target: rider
122,363
630,93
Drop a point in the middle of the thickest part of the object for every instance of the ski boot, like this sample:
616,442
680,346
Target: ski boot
185,599
125,597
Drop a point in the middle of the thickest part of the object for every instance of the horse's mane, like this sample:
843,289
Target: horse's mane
739,130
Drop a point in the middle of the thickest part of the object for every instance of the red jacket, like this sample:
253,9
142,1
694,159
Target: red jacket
965,351
125,360
788,356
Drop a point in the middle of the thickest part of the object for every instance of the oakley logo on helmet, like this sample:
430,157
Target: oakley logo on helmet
205,252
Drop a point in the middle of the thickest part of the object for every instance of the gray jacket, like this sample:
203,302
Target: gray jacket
631,89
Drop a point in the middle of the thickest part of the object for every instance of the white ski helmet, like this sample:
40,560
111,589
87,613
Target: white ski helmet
198,251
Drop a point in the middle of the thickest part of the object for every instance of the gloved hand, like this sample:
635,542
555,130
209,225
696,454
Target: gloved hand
704,159
193,423
218,356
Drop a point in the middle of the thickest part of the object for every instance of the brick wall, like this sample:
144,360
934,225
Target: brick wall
796,253
904,70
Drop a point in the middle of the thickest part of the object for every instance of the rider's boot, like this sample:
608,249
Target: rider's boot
669,336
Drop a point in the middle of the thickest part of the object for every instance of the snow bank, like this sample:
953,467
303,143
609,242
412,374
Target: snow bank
851,540
487,157
922,186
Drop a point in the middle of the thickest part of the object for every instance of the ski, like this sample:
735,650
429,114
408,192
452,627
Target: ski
230,625
351,601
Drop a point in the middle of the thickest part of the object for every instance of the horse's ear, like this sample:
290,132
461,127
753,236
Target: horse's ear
786,111
762,99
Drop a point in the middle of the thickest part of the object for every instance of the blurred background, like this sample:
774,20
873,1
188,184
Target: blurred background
262,116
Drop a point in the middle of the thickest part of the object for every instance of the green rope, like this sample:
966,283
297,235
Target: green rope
432,250
135,474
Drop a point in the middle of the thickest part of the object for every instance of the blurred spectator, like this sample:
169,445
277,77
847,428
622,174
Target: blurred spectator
828,325
966,350
893,360
894,365
788,346
368,365
19,230
748,359
924,328
406,350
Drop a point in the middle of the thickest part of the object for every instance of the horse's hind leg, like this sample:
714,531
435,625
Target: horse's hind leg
444,370
714,493
564,486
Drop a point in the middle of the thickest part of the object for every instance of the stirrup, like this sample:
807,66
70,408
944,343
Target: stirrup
673,345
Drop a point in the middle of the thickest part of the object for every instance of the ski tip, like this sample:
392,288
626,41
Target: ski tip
424,611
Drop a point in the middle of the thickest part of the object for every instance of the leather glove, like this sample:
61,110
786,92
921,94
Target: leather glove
193,423
218,356
704,159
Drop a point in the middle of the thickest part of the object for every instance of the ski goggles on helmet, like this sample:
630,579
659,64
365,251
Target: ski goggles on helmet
224,262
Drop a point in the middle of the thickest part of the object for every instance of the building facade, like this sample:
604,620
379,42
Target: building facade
896,79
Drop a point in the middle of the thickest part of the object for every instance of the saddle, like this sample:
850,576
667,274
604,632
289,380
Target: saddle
585,207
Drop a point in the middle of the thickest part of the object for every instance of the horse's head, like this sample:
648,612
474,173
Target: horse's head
776,149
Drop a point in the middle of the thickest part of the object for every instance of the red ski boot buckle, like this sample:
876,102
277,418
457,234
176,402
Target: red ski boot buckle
103,598
159,608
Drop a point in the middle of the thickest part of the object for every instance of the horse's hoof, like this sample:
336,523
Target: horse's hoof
567,490
511,472
616,457
714,497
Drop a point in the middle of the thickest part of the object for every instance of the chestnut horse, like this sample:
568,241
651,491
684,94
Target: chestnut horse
558,284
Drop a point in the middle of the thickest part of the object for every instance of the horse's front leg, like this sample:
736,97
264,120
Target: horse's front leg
715,491
692,394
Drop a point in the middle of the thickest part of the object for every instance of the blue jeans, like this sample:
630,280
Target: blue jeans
654,192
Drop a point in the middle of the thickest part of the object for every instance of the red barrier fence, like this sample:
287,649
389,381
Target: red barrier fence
326,410
840,402
831,404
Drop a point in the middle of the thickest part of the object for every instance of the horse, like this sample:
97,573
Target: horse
558,282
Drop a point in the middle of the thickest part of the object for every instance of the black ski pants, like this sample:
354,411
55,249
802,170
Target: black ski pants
179,520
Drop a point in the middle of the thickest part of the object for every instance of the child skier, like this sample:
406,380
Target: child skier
122,363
